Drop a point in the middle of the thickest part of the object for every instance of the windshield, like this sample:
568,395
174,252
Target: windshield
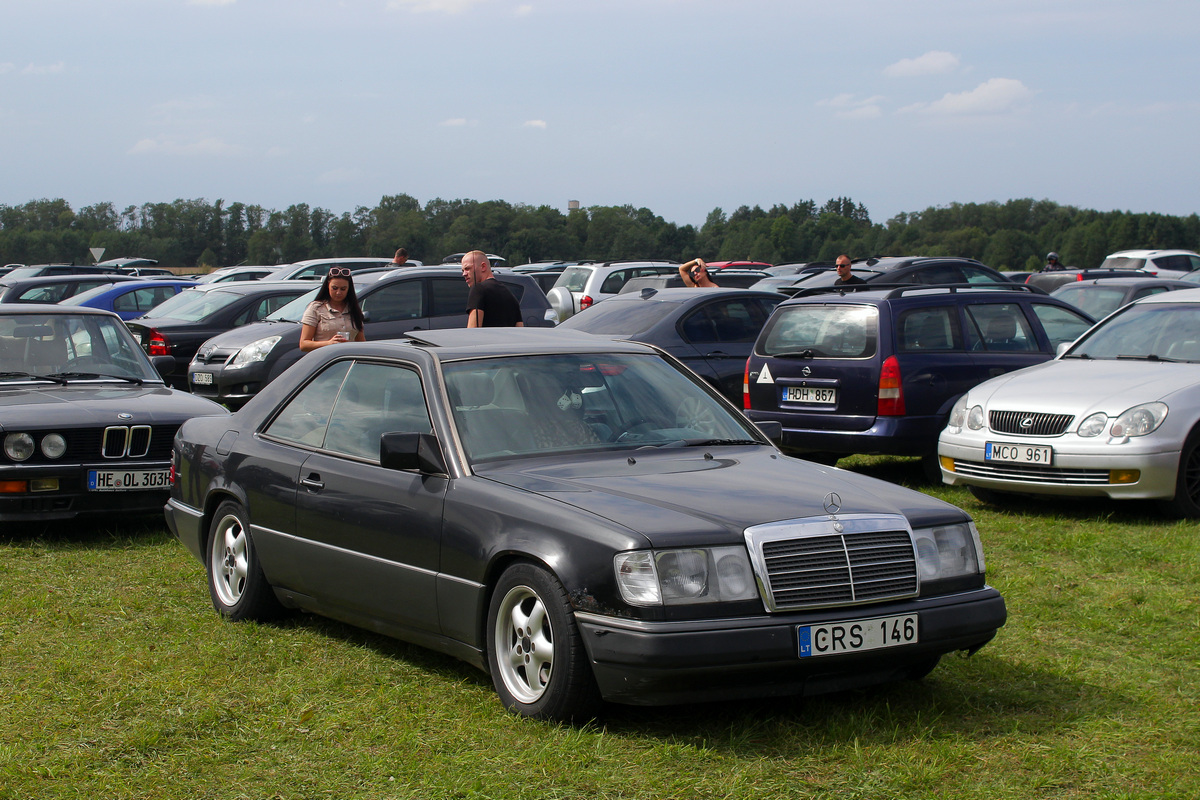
295,309
532,405
75,346
1153,331
83,297
192,305
822,331
1123,262
1096,301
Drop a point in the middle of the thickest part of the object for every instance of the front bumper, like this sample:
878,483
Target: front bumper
232,386
72,498
656,663
1078,468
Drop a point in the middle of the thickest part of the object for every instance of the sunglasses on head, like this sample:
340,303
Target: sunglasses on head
339,272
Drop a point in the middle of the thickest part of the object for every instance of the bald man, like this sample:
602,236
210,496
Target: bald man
489,304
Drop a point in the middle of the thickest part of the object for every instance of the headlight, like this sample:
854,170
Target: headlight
18,446
255,351
948,552
53,445
975,418
1139,420
680,577
1093,425
958,415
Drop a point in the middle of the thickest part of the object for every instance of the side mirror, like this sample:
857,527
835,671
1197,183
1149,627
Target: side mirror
1062,348
164,365
771,429
419,451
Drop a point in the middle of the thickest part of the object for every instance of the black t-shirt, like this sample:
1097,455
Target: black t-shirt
851,279
500,309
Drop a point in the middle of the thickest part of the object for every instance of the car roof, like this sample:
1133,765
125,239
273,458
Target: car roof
456,343
1117,280
1150,253
878,295
43,309
686,294
49,280
1180,296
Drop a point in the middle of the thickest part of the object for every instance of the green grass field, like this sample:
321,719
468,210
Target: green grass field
119,680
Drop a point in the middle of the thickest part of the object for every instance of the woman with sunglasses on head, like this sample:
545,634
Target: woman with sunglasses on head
334,316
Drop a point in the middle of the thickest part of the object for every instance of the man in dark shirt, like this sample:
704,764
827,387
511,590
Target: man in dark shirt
845,277
489,304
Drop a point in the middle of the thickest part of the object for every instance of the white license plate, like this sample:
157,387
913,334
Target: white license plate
124,480
202,378
1018,453
808,394
855,636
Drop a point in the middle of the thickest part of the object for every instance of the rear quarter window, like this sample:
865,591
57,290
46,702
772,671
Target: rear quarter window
828,331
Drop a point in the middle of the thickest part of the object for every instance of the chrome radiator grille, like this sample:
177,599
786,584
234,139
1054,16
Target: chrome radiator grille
823,568
1029,423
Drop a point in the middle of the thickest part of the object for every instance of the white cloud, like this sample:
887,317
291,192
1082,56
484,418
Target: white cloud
173,147
7,66
996,96
935,62
536,123
845,106
445,6
44,69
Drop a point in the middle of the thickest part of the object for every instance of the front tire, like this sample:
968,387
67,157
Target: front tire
535,654
236,583
1186,502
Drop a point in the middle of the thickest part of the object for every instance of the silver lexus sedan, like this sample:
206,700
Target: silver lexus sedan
1117,414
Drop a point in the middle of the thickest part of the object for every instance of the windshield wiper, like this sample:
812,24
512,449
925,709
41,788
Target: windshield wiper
704,442
806,353
95,375
52,378
1079,355
1149,357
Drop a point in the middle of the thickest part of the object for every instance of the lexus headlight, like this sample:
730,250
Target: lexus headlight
255,351
951,551
962,415
681,577
1139,420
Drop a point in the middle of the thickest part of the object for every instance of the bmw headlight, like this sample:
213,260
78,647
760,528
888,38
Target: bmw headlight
950,551
54,445
18,446
681,577
253,352
1139,420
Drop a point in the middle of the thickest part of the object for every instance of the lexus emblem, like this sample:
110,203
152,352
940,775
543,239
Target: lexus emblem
1027,422
833,503
806,372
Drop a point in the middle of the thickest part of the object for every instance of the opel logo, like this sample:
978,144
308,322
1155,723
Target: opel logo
1027,422
833,503
806,372
124,416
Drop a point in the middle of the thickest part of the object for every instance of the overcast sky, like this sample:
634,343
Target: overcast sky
679,106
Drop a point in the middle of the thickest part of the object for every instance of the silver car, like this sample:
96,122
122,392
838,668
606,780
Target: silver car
581,286
1115,415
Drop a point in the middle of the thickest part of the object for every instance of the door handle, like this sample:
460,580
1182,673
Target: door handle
313,483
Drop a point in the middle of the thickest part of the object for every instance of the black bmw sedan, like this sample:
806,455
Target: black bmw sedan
85,419
583,519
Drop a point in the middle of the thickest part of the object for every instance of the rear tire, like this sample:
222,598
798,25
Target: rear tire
1186,502
536,656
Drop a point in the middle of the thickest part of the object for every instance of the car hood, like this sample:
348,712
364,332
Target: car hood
683,496
74,406
1079,386
240,337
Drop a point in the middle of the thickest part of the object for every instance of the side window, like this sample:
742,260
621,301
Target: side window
304,419
448,296
928,329
1061,324
126,302
1172,262
398,301
613,283
44,294
1147,292
1193,263
377,399
698,327
940,273
1002,327
976,275
517,289
737,320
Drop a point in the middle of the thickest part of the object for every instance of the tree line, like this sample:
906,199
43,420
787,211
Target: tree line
197,234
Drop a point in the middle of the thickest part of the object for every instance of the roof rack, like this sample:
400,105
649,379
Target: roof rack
901,289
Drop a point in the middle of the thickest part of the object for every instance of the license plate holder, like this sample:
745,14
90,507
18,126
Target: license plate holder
1016,453
857,635
127,480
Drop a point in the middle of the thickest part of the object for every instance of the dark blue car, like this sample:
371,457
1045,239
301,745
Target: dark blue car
878,370
129,299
